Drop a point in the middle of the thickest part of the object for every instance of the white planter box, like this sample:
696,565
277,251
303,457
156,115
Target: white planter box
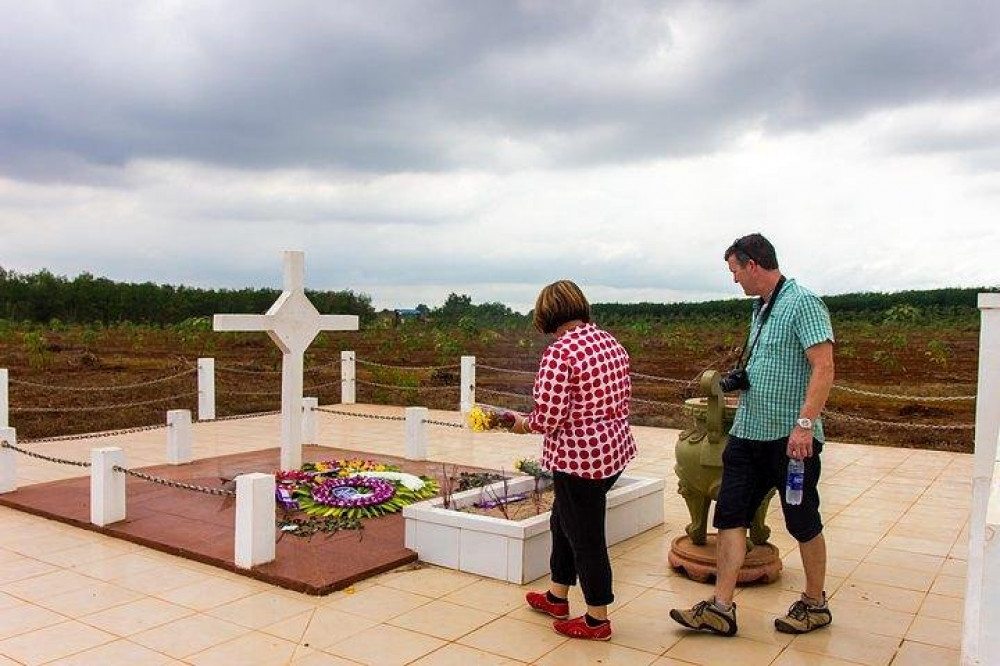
518,551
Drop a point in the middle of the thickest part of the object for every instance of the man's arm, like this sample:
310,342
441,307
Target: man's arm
820,357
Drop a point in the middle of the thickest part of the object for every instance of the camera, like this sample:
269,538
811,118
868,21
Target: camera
735,380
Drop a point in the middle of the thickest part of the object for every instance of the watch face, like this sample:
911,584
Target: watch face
804,423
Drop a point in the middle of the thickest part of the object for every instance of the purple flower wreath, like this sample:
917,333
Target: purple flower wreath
343,493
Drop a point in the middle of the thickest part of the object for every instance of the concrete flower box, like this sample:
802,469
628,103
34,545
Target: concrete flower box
518,551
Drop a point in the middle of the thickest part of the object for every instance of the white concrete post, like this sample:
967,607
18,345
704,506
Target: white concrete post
206,389
255,528
309,406
179,436
347,378
416,433
4,398
8,461
467,376
980,634
107,487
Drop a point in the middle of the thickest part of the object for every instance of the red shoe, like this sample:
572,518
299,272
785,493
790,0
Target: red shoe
578,628
540,602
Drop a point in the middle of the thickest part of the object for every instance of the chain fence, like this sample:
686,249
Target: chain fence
835,416
124,470
381,417
120,387
401,387
414,368
96,435
124,405
170,483
507,370
377,417
238,417
244,371
904,396
41,456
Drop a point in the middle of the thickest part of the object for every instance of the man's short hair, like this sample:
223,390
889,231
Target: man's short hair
558,303
756,247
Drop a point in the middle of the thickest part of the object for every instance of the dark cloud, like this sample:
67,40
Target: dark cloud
425,86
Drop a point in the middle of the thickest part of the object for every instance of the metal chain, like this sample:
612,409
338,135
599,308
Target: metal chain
319,386
524,396
23,382
409,367
897,424
443,423
406,388
96,435
237,417
510,370
228,392
901,396
240,371
174,484
652,402
360,415
31,454
102,407
671,380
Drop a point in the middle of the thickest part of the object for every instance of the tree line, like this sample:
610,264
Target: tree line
41,297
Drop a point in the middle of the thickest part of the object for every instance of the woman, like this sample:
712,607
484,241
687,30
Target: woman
581,393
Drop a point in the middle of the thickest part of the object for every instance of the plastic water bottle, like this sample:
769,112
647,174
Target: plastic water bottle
793,481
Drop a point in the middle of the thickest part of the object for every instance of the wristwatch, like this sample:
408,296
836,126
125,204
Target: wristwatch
804,423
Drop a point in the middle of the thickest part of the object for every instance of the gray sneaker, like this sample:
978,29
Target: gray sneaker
706,616
803,617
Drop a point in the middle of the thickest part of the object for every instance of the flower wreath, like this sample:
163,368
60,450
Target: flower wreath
353,488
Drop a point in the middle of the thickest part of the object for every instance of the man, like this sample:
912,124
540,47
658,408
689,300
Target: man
790,372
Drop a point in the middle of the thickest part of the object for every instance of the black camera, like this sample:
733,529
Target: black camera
735,380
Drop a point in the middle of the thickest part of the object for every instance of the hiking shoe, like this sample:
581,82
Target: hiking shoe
540,602
803,617
706,616
578,628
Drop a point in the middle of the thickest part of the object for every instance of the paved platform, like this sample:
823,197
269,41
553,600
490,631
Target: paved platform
896,526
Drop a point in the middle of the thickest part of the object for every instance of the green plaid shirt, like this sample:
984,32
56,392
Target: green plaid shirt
779,370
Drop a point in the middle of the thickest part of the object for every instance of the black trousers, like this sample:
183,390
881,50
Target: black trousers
579,546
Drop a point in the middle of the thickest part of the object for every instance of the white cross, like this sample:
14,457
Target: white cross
292,322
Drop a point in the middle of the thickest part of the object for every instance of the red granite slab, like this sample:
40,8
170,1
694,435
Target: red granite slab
200,526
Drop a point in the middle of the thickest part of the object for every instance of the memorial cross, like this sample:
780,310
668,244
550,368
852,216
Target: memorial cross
292,323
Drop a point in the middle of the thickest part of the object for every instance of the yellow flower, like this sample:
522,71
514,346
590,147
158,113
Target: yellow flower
479,420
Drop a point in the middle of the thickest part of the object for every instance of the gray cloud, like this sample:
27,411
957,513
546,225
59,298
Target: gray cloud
437,85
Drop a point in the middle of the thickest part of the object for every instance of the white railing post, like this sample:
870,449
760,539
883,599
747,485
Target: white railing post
8,461
467,376
980,634
4,398
255,528
416,433
347,378
309,429
206,389
179,436
107,487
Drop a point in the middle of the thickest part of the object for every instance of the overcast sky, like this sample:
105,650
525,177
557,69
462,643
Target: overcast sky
413,149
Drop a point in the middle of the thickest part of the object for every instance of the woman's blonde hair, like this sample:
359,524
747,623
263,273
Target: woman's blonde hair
559,303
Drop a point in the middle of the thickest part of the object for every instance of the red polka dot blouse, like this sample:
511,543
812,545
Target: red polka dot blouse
582,392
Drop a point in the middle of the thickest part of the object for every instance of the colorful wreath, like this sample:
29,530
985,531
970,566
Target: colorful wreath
353,491
353,488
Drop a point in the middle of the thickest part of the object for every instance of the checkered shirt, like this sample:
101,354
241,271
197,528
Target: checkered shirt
778,369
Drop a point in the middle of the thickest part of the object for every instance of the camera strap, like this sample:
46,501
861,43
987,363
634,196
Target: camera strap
761,313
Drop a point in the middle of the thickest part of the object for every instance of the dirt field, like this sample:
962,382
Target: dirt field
916,361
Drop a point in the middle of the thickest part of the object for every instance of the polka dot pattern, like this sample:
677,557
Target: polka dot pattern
582,392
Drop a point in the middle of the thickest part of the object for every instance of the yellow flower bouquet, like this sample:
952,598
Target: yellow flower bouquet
484,417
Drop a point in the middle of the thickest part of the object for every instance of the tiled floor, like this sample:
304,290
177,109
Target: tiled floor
896,528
